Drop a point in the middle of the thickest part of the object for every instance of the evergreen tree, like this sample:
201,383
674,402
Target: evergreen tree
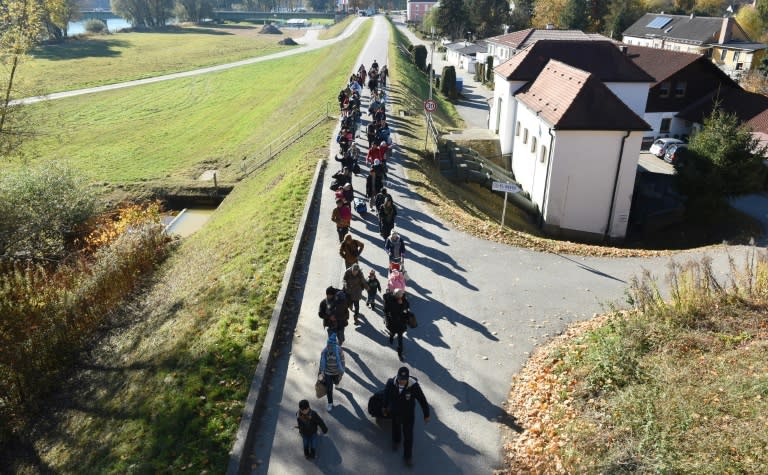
487,17
520,17
452,18
621,14
574,15
723,159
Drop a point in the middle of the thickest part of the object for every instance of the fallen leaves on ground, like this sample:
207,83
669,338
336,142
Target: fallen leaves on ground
540,403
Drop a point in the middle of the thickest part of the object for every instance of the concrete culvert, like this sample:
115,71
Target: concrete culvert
271,30
287,41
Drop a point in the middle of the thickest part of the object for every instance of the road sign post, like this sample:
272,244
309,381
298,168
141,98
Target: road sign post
430,105
507,188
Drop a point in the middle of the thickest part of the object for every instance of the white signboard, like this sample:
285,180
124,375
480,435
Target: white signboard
505,187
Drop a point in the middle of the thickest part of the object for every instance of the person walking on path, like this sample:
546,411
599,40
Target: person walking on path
308,422
387,215
400,396
354,283
373,184
331,367
395,247
378,201
334,313
342,216
396,313
374,287
350,250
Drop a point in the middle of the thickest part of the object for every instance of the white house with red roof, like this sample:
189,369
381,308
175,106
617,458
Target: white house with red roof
569,114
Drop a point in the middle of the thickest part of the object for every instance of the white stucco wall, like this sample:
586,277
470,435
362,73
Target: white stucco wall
677,126
527,164
581,181
633,94
506,117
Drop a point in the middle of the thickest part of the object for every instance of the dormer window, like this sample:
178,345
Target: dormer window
723,53
680,88
664,89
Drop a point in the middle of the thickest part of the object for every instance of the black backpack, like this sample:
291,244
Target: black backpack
376,404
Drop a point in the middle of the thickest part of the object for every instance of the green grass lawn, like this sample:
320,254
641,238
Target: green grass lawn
336,29
164,391
97,60
169,132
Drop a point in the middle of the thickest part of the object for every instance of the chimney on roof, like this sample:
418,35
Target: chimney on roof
623,49
725,31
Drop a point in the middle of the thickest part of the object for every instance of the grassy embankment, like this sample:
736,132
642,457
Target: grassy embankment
337,29
97,60
164,389
670,387
166,134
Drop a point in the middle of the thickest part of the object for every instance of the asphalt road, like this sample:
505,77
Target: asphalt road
482,308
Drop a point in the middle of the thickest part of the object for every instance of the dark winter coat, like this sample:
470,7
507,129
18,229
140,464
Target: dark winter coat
309,423
403,404
396,313
373,184
354,284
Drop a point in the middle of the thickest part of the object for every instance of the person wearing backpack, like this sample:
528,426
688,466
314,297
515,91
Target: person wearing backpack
400,396
331,367
354,284
342,216
308,422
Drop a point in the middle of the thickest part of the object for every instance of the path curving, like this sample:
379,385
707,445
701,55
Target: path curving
309,42
482,308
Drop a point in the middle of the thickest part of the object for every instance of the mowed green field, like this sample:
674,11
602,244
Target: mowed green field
173,130
98,60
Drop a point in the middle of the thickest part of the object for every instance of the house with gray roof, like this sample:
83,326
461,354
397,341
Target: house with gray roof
463,54
722,40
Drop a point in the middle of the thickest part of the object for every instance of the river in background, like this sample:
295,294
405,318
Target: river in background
113,24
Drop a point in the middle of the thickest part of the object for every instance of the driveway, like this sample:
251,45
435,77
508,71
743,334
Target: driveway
482,308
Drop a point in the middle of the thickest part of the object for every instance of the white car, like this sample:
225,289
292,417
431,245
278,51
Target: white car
659,147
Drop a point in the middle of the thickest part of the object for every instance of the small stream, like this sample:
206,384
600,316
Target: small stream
187,221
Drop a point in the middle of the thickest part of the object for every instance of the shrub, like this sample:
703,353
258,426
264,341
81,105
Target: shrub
40,210
448,83
420,57
96,27
489,69
47,314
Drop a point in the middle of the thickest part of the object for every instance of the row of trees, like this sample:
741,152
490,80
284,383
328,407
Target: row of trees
484,18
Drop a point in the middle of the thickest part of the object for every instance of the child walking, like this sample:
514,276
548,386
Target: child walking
373,288
309,421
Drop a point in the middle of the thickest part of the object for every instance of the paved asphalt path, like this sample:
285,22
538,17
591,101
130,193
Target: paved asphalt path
309,42
482,308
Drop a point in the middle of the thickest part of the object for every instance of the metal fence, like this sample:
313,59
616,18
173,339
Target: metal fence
285,140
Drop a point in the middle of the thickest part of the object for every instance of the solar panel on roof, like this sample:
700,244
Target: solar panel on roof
659,22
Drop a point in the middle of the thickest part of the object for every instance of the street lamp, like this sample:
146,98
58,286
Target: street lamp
432,62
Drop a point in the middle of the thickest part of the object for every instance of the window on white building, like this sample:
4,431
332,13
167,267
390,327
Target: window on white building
517,129
525,136
665,126
736,55
723,53
543,154
533,145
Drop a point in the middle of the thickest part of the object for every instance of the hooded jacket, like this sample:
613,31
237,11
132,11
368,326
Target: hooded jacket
402,404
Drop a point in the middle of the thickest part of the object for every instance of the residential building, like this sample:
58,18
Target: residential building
502,47
680,80
720,39
463,54
569,114
416,11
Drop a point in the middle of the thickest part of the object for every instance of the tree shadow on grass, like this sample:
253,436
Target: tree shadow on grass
78,49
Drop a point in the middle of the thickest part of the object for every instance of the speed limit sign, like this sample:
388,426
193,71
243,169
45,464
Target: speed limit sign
430,105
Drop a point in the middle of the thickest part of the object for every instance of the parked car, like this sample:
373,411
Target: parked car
659,147
674,152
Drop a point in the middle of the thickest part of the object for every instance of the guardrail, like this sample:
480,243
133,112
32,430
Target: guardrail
288,138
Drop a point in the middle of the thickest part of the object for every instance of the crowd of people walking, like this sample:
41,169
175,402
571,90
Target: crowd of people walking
396,401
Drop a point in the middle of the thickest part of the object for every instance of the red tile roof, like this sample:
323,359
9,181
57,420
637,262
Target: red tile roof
521,39
601,58
572,99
